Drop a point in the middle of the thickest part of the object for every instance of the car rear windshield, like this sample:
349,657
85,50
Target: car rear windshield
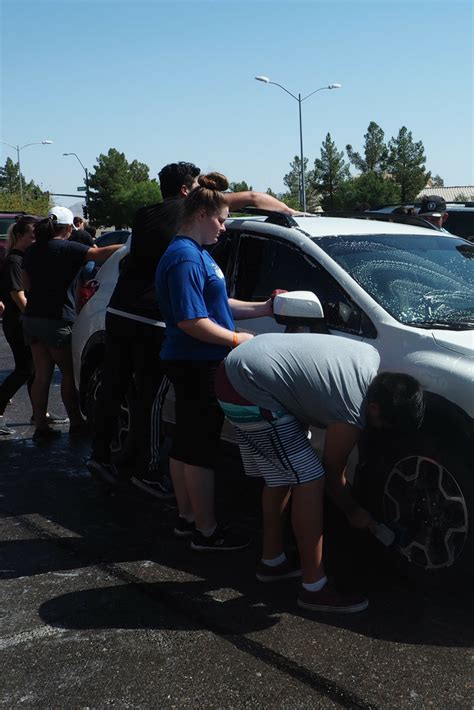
424,281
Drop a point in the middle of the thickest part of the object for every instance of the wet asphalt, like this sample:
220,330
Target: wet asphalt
101,607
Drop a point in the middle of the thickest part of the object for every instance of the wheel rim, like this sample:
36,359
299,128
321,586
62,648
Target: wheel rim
425,503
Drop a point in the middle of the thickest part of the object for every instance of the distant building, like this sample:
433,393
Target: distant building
456,193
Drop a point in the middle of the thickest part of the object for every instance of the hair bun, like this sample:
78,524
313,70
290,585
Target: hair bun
213,181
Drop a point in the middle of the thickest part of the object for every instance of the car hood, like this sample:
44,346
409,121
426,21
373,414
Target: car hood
461,341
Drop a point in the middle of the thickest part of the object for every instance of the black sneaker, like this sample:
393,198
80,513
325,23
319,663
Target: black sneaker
43,436
4,429
184,529
220,541
159,489
330,600
285,570
105,472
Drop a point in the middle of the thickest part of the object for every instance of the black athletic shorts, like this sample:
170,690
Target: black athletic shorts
199,418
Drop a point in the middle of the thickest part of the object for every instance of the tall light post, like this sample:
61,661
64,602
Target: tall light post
87,178
300,100
18,149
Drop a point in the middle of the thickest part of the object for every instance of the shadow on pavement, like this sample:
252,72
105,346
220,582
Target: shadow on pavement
87,527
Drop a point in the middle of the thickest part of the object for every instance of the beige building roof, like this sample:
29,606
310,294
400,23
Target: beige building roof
449,193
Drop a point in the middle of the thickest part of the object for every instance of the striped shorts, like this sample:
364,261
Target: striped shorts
273,445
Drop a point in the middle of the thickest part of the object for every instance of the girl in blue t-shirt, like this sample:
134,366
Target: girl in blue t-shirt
192,296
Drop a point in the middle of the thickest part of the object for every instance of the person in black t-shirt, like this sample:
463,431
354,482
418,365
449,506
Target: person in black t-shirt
49,268
135,329
22,237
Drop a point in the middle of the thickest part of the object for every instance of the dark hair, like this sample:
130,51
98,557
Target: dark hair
77,220
92,230
46,229
400,398
208,196
174,176
19,229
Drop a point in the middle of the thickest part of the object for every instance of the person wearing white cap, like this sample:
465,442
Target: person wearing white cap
50,267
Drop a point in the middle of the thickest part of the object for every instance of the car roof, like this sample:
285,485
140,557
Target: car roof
334,226
320,226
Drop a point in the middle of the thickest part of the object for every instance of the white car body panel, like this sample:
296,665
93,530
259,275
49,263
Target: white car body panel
442,360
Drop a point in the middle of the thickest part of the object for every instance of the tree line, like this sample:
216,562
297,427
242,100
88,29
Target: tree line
35,201
386,172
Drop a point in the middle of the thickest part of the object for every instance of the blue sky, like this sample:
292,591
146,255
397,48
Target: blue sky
165,81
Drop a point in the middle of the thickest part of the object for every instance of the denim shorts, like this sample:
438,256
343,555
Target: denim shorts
56,333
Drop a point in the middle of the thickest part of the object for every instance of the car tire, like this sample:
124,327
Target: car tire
426,494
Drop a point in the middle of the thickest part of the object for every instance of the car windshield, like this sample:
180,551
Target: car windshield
424,281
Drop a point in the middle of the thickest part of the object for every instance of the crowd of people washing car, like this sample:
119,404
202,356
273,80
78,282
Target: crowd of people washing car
271,387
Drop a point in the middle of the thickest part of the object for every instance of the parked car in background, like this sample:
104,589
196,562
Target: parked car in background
407,290
6,220
107,239
460,217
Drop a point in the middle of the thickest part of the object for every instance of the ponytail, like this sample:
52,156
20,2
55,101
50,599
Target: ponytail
44,231
47,229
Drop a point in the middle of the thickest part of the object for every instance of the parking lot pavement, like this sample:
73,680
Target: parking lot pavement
102,607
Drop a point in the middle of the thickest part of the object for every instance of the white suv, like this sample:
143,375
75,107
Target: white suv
407,290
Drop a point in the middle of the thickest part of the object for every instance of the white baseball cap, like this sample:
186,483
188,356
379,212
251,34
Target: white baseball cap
61,215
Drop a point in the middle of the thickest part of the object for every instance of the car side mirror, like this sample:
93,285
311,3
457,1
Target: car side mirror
298,308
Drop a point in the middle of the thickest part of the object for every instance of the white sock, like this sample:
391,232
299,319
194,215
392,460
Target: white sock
275,561
208,533
315,586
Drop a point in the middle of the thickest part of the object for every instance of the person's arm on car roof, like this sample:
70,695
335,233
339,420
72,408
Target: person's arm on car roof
339,441
102,253
238,200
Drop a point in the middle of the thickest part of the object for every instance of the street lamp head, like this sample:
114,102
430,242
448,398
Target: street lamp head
334,86
47,142
265,79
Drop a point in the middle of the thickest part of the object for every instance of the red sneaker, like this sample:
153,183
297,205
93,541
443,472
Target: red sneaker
330,600
285,570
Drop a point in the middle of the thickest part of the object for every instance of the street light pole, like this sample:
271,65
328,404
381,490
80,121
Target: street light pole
18,148
300,100
87,178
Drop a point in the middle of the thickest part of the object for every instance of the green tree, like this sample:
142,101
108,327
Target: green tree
9,177
118,188
35,201
375,151
37,205
406,164
437,181
330,172
293,181
240,186
370,187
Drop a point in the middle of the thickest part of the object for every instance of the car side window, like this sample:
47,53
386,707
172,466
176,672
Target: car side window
222,251
264,264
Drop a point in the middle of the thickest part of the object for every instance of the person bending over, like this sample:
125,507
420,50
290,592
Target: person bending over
271,388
